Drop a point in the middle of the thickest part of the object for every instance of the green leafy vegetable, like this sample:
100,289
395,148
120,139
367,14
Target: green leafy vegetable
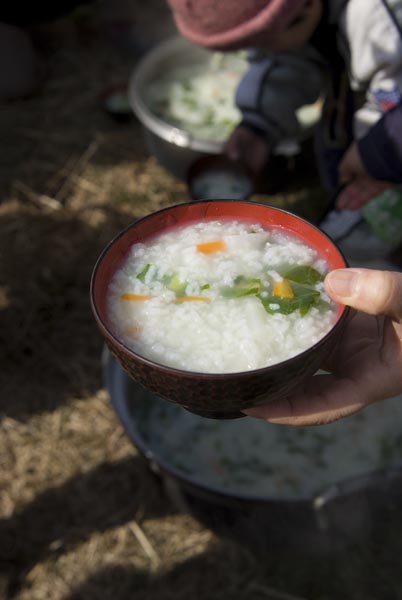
303,274
187,85
189,102
243,286
208,117
322,305
305,297
143,272
174,284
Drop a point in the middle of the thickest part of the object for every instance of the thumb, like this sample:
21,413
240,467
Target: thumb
371,291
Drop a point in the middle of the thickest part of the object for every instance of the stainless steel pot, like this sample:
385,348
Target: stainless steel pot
344,513
174,148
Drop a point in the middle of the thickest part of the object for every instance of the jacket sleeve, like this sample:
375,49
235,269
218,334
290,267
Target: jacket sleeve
381,148
275,86
374,37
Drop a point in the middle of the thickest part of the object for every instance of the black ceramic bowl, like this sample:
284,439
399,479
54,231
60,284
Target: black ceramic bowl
222,395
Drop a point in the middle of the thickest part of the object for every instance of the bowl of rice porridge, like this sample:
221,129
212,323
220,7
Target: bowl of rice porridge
218,305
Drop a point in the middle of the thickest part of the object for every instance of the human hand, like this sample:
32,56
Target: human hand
359,192
359,186
366,365
351,165
248,148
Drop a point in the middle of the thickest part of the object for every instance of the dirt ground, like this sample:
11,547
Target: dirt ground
81,515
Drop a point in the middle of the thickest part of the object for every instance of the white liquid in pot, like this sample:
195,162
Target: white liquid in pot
251,458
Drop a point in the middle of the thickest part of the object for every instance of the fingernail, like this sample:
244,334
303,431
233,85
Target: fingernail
342,282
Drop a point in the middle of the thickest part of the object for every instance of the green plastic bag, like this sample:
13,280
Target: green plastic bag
384,216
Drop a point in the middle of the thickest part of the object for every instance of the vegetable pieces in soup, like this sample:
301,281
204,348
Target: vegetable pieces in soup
199,97
220,297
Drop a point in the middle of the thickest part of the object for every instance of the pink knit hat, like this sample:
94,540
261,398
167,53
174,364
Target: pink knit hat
225,24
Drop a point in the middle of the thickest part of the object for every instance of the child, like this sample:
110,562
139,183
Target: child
347,51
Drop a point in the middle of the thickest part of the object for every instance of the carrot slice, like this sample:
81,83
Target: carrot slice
134,297
210,247
283,289
192,299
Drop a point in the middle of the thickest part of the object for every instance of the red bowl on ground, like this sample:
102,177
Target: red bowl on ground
221,395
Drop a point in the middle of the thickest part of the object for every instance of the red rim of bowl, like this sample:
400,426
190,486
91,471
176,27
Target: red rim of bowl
288,216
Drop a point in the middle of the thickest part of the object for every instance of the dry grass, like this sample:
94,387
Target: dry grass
81,515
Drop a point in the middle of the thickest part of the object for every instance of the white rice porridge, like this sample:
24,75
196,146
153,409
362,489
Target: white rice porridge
200,97
252,458
220,297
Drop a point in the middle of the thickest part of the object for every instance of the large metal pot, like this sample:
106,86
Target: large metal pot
344,513
174,148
